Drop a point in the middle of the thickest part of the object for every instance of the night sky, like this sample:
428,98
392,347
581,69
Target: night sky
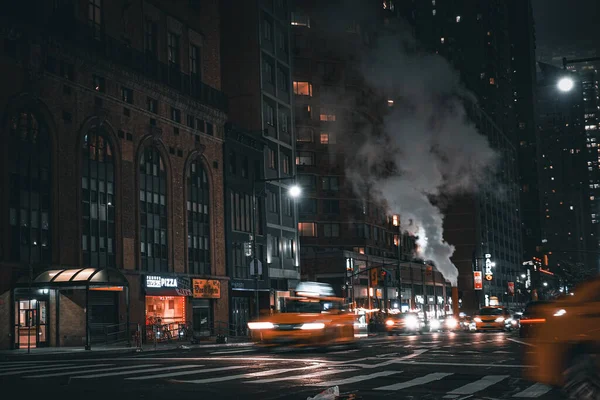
566,26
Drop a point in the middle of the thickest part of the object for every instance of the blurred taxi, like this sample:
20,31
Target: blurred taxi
566,346
403,323
532,317
491,318
312,318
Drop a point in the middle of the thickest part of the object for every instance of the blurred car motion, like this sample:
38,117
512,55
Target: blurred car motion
532,317
491,318
313,318
403,323
566,345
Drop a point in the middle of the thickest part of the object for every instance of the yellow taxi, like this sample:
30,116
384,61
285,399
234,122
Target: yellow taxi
310,319
491,318
566,347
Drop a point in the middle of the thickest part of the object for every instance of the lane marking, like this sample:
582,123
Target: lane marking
250,375
307,376
415,354
355,379
464,364
533,391
47,367
233,351
436,376
259,359
171,374
91,370
479,385
521,342
23,368
163,368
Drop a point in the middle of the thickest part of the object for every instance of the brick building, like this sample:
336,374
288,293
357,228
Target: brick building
111,176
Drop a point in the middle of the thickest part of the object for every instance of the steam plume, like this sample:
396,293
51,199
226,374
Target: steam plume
428,148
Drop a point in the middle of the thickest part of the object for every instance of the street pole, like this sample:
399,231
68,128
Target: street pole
254,259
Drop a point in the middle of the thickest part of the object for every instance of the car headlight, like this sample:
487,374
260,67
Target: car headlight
477,319
451,323
412,322
560,312
434,324
312,326
260,325
500,319
389,322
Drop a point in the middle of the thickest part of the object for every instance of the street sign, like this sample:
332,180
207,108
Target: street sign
477,280
252,267
248,249
374,272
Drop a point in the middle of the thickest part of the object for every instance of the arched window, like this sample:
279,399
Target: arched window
198,220
30,190
153,212
98,201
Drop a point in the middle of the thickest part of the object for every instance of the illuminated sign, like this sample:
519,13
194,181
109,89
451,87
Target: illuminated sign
477,280
511,288
528,281
153,281
206,289
489,274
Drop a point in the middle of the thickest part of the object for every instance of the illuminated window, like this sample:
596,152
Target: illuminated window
327,138
307,229
299,19
458,18
153,212
396,220
327,115
29,193
98,201
359,250
198,219
305,158
492,81
302,88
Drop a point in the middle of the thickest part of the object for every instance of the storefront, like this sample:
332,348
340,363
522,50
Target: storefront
205,292
166,305
243,298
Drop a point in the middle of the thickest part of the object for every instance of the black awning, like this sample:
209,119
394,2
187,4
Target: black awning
76,277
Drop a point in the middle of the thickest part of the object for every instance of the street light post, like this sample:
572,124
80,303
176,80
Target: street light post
294,192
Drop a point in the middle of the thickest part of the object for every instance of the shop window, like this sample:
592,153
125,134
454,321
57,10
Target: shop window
153,212
198,219
164,315
98,200
29,189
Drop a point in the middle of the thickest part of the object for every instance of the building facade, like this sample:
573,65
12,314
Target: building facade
256,71
112,184
244,153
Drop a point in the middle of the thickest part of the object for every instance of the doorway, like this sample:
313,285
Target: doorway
31,323
202,317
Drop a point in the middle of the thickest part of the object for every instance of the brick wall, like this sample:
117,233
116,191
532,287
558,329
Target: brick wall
72,319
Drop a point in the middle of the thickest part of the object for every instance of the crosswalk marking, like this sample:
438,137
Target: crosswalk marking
355,379
436,376
119,373
172,374
307,376
233,351
91,370
481,384
18,370
251,375
45,368
533,391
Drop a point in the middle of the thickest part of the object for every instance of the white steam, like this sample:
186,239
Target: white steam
428,149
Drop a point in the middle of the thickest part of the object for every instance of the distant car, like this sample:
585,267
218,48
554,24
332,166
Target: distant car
491,318
403,323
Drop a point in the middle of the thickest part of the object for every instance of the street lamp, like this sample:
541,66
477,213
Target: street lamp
523,276
294,191
565,84
545,284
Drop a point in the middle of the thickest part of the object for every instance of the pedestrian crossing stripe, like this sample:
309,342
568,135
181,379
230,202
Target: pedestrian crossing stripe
344,374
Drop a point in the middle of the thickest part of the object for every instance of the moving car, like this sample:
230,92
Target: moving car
566,346
313,318
403,323
532,317
491,318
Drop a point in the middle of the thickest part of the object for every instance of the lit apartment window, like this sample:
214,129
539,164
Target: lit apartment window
492,81
359,250
327,115
307,229
327,138
305,158
396,220
302,88
272,159
299,19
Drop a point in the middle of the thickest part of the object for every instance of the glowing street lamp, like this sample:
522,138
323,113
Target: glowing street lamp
565,84
295,191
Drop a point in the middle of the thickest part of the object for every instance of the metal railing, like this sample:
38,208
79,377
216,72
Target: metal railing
108,334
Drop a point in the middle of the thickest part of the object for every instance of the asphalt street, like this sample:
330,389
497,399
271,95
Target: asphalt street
432,366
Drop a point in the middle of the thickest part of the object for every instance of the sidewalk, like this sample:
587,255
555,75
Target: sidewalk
123,348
